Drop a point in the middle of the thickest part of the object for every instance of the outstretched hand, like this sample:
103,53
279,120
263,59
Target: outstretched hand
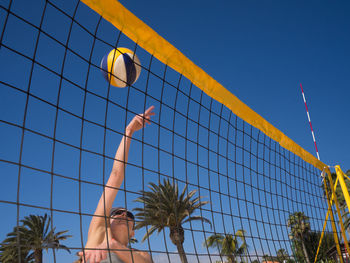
140,120
98,254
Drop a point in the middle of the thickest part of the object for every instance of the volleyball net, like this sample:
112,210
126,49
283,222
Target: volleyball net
61,124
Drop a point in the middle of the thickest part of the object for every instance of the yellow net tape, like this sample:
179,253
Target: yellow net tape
148,39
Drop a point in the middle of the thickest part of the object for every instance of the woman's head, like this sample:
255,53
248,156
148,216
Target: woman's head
122,222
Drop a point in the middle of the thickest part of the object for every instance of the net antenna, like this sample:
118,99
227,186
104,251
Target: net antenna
308,117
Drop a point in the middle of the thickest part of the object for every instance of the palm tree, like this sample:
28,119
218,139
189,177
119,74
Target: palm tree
229,245
300,228
266,258
282,255
9,248
164,207
33,236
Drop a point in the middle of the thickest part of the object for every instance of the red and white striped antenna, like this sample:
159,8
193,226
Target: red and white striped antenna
308,116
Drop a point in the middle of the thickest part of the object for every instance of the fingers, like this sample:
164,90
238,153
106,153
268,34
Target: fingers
145,117
90,256
98,257
140,120
93,256
149,111
104,255
81,254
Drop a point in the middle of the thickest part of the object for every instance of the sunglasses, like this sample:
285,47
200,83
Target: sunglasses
121,211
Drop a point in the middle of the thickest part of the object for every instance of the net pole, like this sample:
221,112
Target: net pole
318,157
309,119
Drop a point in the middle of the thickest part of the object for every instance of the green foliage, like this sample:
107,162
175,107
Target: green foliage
29,239
164,206
327,261
229,245
300,229
299,225
266,257
297,250
311,243
282,255
9,248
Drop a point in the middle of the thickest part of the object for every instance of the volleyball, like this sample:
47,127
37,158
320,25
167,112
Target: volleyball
121,67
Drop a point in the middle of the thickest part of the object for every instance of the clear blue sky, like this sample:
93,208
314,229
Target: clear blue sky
259,50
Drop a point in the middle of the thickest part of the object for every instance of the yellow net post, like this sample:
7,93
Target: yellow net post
342,183
332,186
330,212
340,176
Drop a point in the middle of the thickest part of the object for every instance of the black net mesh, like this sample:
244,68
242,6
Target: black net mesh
61,123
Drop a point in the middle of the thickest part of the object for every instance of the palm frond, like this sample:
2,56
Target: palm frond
32,235
192,218
164,206
150,231
214,240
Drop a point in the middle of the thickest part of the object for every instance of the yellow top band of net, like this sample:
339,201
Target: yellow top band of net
148,39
